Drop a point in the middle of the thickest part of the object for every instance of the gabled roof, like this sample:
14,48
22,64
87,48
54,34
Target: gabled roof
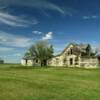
81,47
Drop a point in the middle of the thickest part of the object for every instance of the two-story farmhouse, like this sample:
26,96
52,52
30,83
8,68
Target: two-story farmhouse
78,55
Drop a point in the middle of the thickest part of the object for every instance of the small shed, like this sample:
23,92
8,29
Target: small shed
1,61
29,61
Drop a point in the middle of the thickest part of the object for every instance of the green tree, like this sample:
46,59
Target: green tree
88,50
41,51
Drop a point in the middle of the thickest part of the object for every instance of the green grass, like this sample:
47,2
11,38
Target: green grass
28,83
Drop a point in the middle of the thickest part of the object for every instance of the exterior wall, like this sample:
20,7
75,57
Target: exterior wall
68,60
26,63
59,62
23,62
29,63
82,62
62,60
56,61
89,62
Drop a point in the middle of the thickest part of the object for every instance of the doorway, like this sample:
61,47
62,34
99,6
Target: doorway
26,61
71,61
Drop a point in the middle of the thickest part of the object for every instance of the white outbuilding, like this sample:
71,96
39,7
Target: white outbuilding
29,61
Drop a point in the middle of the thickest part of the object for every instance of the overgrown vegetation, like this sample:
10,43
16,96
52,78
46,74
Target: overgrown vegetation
40,51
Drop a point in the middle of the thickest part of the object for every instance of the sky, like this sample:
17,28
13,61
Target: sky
23,22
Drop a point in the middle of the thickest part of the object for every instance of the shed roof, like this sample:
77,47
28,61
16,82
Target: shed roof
28,58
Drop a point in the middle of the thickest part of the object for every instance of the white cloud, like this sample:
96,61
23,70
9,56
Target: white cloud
37,32
15,21
18,55
86,17
91,17
54,7
8,39
5,49
39,4
48,36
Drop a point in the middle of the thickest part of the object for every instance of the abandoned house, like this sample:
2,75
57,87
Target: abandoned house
74,55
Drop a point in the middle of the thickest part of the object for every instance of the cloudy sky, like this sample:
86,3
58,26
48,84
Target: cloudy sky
23,22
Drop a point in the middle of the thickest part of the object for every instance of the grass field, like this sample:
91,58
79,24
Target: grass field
20,83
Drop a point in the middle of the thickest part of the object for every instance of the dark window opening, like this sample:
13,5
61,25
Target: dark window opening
64,61
71,61
36,61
